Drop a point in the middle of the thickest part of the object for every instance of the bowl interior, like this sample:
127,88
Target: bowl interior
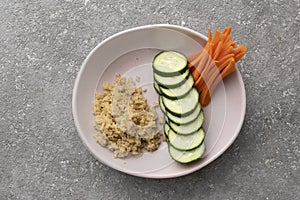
130,53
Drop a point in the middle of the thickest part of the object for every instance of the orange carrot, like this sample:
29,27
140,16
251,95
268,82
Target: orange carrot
191,68
224,30
214,62
213,83
200,83
233,44
215,68
195,62
225,63
195,74
215,39
202,63
225,52
218,50
194,55
228,70
239,53
209,36
224,58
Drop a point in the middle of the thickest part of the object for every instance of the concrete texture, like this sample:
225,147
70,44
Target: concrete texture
42,46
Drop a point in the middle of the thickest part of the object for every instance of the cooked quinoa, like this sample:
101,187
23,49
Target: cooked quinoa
125,126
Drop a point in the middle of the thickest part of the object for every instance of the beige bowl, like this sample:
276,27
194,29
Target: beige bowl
130,53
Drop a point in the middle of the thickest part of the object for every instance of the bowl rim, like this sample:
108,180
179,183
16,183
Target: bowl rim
185,172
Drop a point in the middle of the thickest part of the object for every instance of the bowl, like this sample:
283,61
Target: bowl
130,53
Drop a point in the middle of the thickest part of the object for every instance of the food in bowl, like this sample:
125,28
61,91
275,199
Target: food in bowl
125,123
117,54
210,65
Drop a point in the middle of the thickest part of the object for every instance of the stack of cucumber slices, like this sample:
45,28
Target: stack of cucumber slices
179,101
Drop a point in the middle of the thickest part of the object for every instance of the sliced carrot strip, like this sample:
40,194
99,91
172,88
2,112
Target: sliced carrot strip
204,77
218,50
214,62
233,44
209,36
226,57
229,30
203,62
226,51
228,70
215,39
239,52
194,55
226,63
224,30
198,63
191,68
238,56
208,90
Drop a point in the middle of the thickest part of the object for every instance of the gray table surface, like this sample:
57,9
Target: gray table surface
42,46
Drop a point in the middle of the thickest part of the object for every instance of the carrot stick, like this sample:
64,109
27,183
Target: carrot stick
203,76
238,56
191,68
224,58
204,97
240,49
214,62
227,38
213,67
224,31
194,55
217,70
227,44
212,73
196,63
215,39
207,92
225,63
228,70
195,74
203,62
218,50
239,52
229,30
209,36
233,44
208,67
225,52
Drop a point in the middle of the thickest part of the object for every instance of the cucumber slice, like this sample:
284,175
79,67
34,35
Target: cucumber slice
187,156
167,120
157,88
171,81
186,142
161,105
186,119
184,106
180,91
186,129
166,129
169,63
